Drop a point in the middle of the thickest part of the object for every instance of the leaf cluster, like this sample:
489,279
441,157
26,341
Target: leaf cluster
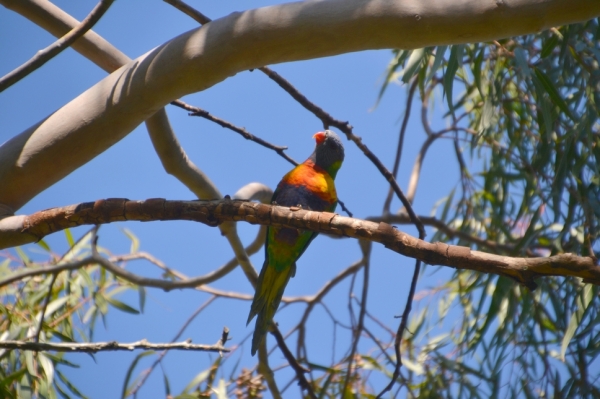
527,110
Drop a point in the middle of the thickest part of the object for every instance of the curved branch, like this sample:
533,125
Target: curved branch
407,112
212,213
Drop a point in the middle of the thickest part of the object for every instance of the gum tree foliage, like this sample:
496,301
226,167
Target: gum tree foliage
524,111
528,109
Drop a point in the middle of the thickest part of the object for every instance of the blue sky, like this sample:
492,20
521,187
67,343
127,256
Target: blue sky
346,86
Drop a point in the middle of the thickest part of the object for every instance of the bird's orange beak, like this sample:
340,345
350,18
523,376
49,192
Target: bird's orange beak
320,137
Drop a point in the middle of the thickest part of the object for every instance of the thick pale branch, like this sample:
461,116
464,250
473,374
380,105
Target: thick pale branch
94,347
212,213
203,57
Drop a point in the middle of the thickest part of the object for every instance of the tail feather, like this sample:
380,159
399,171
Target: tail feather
267,297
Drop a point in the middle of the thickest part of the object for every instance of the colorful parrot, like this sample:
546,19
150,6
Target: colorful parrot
309,185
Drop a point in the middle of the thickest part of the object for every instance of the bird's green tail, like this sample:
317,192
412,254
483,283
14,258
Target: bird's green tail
267,297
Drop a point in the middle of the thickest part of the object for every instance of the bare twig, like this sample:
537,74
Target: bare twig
365,246
265,370
55,48
214,275
93,347
317,298
146,373
407,111
189,11
302,381
416,172
46,301
195,111
401,328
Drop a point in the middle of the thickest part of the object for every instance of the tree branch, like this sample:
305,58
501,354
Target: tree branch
298,369
55,48
93,347
146,373
212,213
407,112
195,111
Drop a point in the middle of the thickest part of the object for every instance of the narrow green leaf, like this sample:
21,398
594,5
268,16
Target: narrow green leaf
126,388
69,385
135,242
15,376
76,247
576,317
397,62
63,394
55,305
60,360
44,245
522,61
24,388
440,51
451,68
47,366
447,205
87,279
221,390
142,297
487,114
413,63
549,45
477,70
22,255
121,306
31,369
167,385
69,237
198,379
101,303
554,94
503,286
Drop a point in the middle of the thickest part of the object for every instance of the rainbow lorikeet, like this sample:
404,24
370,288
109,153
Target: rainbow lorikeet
309,185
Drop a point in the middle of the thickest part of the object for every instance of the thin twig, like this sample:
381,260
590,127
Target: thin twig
45,55
366,250
146,373
189,11
402,327
265,370
46,301
312,301
302,381
416,172
379,345
407,112
195,111
93,347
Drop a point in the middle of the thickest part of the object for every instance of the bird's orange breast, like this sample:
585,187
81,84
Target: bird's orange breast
314,179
